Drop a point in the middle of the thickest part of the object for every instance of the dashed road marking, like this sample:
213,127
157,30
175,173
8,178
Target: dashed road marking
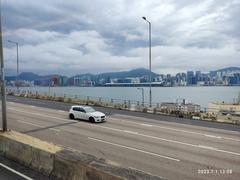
130,132
147,125
207,147
134,149
212,136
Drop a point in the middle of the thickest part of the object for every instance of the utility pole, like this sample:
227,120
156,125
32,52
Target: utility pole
3,94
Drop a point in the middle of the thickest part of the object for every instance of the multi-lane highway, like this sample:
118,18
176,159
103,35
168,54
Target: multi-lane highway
157,144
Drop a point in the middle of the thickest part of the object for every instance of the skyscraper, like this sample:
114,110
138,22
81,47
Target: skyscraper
198,76
190,76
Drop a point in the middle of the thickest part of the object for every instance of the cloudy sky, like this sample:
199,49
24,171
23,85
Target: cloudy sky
79,36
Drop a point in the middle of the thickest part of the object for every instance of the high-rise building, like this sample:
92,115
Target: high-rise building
190,76
178,78
219,78
169,80
184,77
198,76
212,73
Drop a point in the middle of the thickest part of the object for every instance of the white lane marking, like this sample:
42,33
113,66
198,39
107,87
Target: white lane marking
134,149
144,135
25,122
16,172
212,136
33,106
206,147
130,132
147,125
61,111
180,130
231,139
229,152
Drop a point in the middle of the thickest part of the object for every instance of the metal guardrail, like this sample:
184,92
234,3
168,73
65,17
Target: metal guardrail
86,98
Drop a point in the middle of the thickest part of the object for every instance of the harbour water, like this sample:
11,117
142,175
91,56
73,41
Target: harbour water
198,95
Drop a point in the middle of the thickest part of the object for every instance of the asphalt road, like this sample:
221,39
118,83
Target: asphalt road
153,144
110,111
10,170
6,174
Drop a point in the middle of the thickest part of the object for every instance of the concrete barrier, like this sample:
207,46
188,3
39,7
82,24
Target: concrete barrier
62,163
42,161
18,151
70,164
28,151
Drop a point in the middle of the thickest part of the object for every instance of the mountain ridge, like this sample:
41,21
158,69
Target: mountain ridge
138,72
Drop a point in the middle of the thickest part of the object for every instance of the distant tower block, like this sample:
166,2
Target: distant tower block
239,97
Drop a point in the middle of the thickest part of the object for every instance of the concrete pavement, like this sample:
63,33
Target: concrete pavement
168,149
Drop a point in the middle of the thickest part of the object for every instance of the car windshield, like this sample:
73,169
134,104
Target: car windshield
89,109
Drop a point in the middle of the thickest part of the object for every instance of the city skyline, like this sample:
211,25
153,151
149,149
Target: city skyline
68,37
13,73
136,77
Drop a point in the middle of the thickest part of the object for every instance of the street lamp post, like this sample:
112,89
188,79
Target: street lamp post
16,43
142,95
3,94
150,63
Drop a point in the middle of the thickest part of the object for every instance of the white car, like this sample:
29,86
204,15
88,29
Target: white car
86,113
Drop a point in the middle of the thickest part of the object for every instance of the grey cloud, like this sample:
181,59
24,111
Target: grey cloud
71,36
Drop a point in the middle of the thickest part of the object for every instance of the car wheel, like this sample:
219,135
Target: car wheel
91,119
71,116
